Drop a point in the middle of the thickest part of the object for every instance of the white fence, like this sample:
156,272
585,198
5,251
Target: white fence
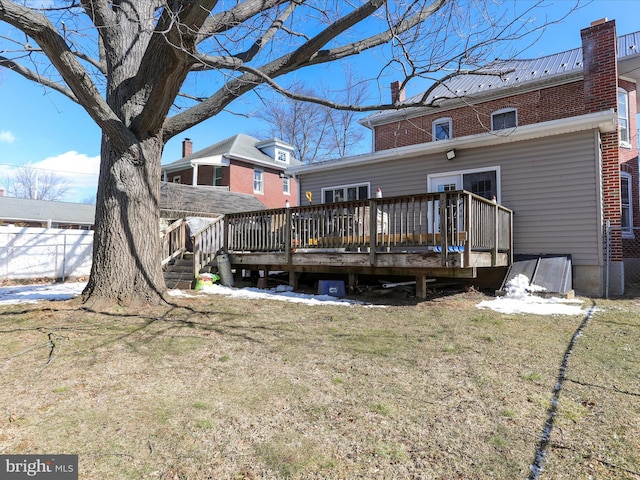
44,253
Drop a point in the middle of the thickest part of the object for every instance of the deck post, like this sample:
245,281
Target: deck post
444,244
467,229
293,279
421,286
352,281
225,235
496,236
373,230
287,236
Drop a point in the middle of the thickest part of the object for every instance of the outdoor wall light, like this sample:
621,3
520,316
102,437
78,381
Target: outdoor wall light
451,154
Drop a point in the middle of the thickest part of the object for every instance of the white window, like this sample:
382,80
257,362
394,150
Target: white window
258,180
623,117
286,185
177,179
282,156
626,219
217,176
505,118
343,193
441,129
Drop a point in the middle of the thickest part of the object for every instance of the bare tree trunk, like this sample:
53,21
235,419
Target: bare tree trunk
126,265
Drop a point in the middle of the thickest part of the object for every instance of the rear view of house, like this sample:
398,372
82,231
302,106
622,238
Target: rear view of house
554,139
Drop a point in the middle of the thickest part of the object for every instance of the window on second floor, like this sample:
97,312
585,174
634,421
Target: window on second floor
441,129
258,180
505,118
286,185
623,116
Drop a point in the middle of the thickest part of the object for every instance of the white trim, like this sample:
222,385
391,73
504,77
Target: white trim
605,121
461,173
216,160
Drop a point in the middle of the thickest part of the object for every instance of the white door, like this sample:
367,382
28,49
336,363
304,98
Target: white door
444,183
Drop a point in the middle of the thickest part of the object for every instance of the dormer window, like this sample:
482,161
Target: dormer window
441,129
505,118
282,156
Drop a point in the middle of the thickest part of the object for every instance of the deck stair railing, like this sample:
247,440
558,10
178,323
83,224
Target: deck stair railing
204,244
173,241
207,242
443,223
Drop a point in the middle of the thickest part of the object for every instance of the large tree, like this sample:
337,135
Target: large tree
147,70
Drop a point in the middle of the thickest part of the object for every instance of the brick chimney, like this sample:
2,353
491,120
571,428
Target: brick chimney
187,147
600,66
397,93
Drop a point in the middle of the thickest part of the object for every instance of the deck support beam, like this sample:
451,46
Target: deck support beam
421,286
293,279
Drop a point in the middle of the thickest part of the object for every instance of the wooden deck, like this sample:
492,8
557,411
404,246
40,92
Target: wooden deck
447,234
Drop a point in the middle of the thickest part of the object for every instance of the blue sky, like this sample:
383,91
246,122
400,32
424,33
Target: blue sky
43,128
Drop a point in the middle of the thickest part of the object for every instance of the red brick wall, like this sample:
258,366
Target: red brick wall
241,180
540,105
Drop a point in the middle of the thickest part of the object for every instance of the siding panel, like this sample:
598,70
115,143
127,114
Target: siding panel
550,183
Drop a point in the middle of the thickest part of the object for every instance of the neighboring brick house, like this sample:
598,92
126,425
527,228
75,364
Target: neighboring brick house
241,164
553,138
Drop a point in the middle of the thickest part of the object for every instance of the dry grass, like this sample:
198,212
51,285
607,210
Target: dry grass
225,388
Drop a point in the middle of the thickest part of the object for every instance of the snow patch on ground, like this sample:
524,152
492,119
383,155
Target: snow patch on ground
16,294
281,292
519,299
34,293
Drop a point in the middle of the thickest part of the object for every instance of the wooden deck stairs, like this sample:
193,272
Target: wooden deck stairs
178,274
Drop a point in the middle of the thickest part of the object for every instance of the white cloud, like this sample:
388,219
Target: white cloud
7,137
82,170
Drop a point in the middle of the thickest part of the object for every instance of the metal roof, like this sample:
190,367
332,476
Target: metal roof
240,146
502,75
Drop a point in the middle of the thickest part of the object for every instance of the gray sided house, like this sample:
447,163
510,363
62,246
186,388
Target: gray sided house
542,139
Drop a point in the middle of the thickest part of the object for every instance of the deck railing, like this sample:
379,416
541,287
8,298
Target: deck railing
206,243
457,221
173,241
